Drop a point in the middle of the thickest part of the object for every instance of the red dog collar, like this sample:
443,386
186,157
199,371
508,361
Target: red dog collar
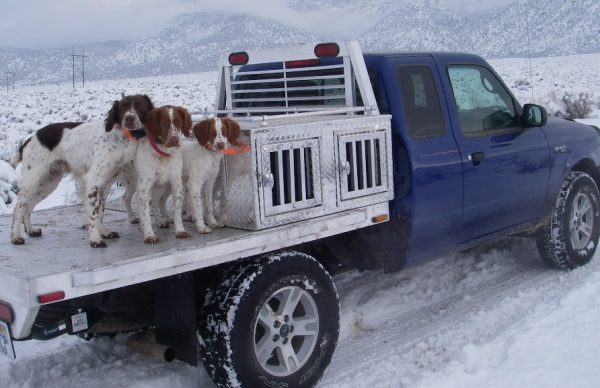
153,144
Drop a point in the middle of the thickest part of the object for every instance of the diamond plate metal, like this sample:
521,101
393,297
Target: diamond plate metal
248,202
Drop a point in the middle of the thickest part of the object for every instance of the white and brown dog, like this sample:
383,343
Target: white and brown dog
159,165
201,163
95,153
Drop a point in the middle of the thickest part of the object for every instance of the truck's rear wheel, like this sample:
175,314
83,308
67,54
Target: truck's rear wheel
273,321
571,238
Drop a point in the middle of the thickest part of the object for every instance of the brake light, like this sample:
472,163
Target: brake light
51,297
327,50
238,58
302,63
6,313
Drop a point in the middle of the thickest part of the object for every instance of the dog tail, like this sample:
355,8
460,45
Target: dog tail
18,157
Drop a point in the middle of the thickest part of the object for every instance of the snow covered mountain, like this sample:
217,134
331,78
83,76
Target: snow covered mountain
189,43
554,27
195,42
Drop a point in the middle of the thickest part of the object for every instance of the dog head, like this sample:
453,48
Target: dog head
217,133
130,112
167,123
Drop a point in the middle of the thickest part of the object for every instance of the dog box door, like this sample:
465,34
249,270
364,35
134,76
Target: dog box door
363,164
291,177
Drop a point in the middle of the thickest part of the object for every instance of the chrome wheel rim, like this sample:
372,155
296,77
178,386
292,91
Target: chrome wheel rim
581,222
286,331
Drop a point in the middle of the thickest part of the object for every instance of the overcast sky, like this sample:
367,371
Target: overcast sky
58,23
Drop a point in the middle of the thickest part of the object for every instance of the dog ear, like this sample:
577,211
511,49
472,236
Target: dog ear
152,123
112,117
232,130
148,101
187,120
202,131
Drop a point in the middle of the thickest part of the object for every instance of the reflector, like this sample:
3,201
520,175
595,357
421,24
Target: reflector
238,58
51,297
327,50
380,218
6,313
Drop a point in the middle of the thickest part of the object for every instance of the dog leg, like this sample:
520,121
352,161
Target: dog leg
209,206
159,206
177,191
15,233
128,198
143,197
130,182
195,196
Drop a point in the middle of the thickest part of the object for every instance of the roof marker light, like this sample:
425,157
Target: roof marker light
327,50
6,313
238,58
51,297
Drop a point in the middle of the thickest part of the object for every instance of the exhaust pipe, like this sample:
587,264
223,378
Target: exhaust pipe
144,343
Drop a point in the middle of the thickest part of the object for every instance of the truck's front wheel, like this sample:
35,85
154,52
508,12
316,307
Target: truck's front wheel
571,238
273,321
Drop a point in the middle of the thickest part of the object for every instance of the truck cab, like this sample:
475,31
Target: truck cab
470,163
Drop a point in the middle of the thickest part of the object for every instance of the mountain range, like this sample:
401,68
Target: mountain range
197,41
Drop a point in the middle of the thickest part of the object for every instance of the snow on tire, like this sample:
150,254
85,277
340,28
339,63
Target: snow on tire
273,321
571,238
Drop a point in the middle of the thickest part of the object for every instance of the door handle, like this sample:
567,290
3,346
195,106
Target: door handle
476,158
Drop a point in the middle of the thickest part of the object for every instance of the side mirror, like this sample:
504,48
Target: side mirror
534,116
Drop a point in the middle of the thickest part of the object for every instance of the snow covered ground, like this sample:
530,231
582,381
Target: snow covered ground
493,317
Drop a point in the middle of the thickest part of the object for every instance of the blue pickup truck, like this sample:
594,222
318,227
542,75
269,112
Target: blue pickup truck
363,161
472,164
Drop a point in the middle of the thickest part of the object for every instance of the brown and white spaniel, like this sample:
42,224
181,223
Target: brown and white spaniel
159,164
201,164
94,153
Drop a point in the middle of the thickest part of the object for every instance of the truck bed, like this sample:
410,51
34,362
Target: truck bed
62,260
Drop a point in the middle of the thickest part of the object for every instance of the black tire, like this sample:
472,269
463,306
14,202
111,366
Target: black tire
232,334
561,244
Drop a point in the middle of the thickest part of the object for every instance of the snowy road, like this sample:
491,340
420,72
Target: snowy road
456,321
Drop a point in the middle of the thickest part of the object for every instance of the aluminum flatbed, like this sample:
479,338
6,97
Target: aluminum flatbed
61,260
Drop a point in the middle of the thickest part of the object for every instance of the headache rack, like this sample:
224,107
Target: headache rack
319,145
301,79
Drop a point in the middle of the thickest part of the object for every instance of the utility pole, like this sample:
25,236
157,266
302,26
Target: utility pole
82,56
10,80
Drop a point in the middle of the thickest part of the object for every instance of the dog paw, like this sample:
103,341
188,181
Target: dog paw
216,225
204,229
135,220
18,241
163,225
152,239
183,234
98,244
111,235
34,233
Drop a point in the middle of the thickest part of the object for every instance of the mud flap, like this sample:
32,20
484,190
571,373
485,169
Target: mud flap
175,316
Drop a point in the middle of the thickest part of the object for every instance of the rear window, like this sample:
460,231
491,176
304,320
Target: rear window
421,101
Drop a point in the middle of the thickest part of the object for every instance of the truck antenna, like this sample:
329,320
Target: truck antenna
529,48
